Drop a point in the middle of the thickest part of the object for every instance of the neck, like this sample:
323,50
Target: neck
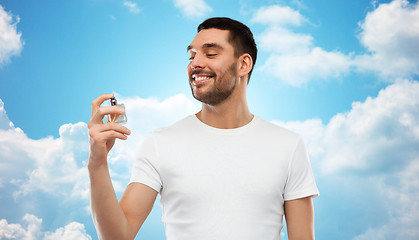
232,113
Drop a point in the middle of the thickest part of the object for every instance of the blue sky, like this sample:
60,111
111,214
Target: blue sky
343,74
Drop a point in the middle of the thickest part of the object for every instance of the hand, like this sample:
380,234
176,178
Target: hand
102,135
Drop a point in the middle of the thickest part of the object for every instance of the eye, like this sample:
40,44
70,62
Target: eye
191,56
211,55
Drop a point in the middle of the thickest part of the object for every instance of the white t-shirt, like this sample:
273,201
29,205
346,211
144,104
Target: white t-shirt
224,183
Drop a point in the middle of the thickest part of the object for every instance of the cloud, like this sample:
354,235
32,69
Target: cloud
48,165
132,7
31,230
300,68
283,41
278,15
10,40
16,158
404,218
193,8
390,33
5,123
378,134
17,231
72,231
293,57
372,150
371,136
59,164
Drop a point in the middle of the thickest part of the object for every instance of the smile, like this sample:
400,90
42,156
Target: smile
199,77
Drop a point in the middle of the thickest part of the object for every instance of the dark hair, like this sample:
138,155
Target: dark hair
240,36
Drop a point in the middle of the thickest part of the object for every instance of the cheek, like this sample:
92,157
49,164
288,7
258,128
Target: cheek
216,67
222,65
188,69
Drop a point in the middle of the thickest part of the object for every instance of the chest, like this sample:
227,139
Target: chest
230,172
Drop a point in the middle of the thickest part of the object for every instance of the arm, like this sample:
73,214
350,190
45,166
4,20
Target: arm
112,220
299,215
136,203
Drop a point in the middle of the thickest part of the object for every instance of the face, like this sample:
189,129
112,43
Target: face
213,67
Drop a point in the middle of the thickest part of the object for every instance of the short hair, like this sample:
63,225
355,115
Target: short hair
240,36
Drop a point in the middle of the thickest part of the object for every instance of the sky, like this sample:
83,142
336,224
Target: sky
342,74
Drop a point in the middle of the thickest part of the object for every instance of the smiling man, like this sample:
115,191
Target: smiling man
222,173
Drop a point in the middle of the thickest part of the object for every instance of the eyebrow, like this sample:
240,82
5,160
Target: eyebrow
190,48
206,45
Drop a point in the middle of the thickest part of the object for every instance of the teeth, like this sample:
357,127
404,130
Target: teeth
200,78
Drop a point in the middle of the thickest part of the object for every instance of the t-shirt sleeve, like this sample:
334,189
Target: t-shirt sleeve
300,182
146,169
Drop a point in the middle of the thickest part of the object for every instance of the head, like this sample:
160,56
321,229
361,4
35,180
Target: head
240,36
219,60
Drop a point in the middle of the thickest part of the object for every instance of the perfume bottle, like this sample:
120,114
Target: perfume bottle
121,119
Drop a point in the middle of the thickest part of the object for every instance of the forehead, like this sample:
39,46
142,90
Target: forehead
211,36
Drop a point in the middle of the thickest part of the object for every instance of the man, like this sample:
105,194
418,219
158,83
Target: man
222,173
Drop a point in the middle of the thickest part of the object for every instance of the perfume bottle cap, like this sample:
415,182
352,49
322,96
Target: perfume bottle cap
113,101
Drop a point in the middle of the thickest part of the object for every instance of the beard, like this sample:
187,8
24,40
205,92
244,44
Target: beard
221,89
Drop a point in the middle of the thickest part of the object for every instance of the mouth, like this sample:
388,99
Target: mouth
198,79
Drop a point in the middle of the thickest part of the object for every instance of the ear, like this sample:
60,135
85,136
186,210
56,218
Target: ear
245,64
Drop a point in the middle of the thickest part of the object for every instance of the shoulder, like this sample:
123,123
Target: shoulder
275,130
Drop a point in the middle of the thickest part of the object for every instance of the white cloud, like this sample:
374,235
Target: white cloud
283,41
31,230
132,7
390,33
293,57
402,198
16,157
17,231
379,133
48,165
10,40
375,144
58,163
72,231
278,15
193,8
5,123
300,68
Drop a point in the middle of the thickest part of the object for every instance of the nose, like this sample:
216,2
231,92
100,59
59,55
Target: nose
197,62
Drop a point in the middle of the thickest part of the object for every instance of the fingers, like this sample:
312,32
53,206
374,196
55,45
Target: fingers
100,113
102,133
112,126
99,100
111,135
